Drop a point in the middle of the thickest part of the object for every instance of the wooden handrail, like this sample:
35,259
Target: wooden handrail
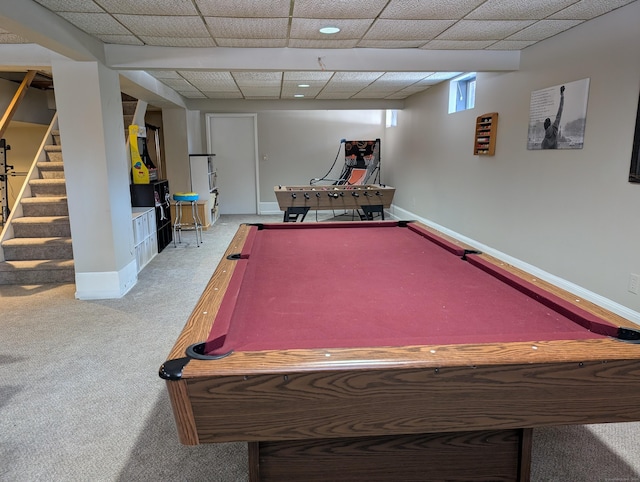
15,102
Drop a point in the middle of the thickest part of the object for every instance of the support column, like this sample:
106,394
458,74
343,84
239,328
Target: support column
96,169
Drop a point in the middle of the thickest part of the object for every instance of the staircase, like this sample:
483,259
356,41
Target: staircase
40,251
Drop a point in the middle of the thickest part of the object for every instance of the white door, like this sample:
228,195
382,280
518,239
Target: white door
232,138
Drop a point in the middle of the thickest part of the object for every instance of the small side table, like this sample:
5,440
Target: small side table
185,198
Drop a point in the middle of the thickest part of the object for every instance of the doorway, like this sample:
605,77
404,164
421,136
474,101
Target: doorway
233,139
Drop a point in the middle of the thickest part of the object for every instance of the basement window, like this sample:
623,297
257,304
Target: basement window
462,92
391,118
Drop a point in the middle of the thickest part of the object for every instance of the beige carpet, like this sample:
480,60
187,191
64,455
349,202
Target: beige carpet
80,398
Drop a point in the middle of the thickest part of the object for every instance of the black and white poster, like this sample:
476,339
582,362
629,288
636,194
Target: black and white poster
558,115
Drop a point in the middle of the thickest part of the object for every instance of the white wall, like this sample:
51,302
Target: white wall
296,146
571,213
34,107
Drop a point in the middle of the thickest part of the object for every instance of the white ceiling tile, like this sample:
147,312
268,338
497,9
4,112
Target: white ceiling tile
390,44
385,87
197,75
399,95
429,9
356,76
308,28
544,29
149,7
458,44
407,29
261,92
308,76
511,44
291,88
322,44
178,41
409,77
95,23
211,81
266,28
223,95
336,88
435,78
211,86
588,9
517,9
484,29
178,84
413,89
338,8
334,95
70,5
164,74
192,94
164,26
120,39
258,79
370,95
244,8
251,42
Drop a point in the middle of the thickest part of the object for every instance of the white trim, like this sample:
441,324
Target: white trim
106,285
580,292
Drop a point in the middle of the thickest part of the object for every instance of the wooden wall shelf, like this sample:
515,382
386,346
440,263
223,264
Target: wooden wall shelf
484,142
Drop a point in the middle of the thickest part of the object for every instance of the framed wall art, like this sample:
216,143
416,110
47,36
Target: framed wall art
558,115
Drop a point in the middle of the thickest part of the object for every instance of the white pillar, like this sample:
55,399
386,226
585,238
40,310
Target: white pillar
97,174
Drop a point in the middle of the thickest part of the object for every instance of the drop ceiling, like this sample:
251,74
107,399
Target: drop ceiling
267,29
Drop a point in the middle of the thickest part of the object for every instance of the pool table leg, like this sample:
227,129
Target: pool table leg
526,443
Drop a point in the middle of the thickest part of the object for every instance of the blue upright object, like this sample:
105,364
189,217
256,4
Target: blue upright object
186,198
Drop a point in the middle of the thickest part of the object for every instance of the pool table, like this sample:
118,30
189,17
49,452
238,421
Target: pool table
385,350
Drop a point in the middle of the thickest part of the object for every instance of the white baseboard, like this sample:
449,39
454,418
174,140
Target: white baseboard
398,213
269,208
106,285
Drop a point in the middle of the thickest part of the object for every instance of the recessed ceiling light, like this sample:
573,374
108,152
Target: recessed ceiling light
298,95
329,30
304,85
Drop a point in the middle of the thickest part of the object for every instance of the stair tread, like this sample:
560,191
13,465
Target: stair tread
36,241
53,148
47,164
37,264
44,199
47,181
41,219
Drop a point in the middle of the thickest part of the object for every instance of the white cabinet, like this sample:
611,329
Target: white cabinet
204,181
145,238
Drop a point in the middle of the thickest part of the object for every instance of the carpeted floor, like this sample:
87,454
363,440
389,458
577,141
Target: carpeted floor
80,398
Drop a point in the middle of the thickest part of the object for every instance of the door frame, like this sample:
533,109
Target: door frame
209,117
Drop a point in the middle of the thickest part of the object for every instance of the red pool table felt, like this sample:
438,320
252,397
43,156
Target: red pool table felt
354,285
